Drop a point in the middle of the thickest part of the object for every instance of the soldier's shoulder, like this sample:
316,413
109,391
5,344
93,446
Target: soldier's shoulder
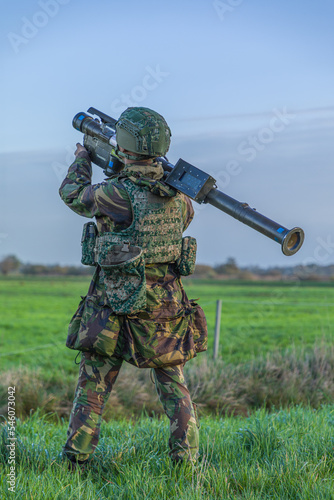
112,187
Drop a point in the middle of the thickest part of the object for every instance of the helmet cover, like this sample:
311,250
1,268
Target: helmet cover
143,131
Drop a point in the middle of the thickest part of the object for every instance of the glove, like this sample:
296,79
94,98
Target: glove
80,149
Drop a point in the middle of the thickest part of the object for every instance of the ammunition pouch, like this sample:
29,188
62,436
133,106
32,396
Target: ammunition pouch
123,273
88,239
185,264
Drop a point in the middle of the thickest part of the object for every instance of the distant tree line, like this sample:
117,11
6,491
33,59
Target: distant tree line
225,271
12,265
230,270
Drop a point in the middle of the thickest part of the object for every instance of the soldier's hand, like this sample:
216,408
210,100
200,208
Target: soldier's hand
79,149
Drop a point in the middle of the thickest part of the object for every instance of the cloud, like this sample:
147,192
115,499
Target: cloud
263,115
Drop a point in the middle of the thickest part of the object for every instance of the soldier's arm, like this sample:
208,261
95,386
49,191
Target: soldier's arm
76,189
91,200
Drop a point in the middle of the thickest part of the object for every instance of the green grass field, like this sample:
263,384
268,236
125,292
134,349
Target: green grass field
256,318
285,454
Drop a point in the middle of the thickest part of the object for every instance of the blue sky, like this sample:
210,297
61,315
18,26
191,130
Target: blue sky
242,81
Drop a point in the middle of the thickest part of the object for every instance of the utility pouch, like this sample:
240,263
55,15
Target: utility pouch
185,264
88,239
123,271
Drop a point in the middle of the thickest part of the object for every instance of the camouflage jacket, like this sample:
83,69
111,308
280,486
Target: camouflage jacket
171,329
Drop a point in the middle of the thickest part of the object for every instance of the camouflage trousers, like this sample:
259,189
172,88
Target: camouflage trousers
97,376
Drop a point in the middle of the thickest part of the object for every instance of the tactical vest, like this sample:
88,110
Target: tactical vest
154,236
156,226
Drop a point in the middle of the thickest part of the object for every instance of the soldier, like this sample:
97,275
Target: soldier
136,309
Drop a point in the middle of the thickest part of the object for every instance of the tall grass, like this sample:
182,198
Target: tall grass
280,379
284,455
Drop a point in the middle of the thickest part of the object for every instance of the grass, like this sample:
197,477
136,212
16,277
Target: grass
256,318
277,380
276,351
276,348
34,315
285,455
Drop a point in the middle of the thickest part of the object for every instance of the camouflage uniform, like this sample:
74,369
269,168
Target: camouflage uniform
163,335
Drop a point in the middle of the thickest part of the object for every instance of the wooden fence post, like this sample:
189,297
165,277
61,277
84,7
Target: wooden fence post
217,329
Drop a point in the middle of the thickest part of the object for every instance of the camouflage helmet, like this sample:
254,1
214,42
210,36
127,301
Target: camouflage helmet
142,131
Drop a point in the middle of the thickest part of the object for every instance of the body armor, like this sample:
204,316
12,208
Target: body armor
156,226
154,236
